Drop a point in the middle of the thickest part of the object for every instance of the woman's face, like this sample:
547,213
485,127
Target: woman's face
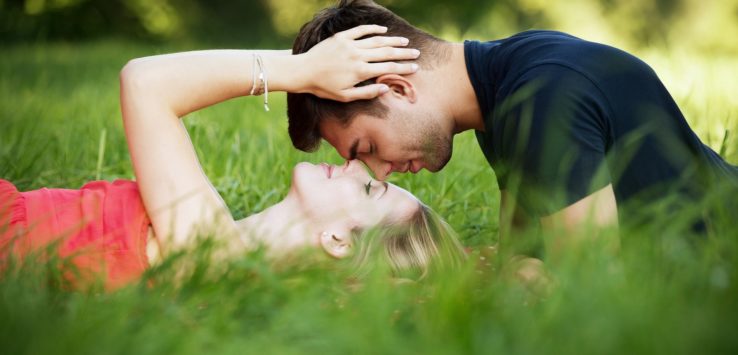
344,198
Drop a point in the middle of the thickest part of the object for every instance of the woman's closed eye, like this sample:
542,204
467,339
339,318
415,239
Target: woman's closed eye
374,189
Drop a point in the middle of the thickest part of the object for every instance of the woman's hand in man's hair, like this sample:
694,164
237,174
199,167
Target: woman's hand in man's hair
334,67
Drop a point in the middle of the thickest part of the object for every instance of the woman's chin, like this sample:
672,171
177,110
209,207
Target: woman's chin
299,176
303,172
298,170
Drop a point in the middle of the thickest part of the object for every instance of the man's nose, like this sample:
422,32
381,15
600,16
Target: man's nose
379,167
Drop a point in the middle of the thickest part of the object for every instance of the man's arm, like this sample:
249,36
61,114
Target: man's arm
512,218
581,220
596,211
564,229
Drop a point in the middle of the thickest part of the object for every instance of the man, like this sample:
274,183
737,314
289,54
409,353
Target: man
575,131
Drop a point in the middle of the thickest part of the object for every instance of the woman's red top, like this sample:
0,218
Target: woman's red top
102,228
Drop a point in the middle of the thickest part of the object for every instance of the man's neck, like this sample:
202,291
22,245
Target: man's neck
456,94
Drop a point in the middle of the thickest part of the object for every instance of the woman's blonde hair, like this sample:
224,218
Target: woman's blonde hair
411,248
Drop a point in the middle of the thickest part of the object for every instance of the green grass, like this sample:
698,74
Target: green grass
665,293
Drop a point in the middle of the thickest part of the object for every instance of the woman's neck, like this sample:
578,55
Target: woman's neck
279,228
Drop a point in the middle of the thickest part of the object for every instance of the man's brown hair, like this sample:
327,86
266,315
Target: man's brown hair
305,111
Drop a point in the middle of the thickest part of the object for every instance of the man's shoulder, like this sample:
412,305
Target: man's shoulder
542,35
510,56
531,47
530,37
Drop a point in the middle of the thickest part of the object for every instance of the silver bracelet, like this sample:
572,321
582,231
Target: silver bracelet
263,80
253,74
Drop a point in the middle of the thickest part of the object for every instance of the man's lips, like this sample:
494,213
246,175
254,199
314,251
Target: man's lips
410,165
414,168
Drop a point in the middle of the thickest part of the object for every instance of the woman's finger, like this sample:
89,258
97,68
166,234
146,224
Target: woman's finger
377,69
363,92
389,53
382,41
361,31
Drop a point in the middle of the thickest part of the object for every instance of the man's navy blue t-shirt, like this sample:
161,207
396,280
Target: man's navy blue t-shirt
565,117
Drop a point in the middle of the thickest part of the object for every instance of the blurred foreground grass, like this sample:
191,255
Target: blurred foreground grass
60,127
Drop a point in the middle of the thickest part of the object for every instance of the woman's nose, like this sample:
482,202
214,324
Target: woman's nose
380,168
353,167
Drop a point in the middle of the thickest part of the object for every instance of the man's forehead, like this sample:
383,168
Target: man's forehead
330,128
340,136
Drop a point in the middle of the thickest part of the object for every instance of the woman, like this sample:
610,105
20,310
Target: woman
117,229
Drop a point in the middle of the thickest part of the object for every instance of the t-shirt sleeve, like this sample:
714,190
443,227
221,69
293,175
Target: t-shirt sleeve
554,129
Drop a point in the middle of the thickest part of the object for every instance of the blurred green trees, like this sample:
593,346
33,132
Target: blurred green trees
31,20
702,25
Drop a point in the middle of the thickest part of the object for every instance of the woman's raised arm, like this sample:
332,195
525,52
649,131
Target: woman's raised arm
190,81
156,91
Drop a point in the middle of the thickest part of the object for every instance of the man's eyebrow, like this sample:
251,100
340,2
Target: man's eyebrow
352,150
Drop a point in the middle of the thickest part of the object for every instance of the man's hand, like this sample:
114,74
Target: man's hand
531,274
335,65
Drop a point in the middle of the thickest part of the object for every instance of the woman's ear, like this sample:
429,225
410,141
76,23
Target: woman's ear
337,245
399,87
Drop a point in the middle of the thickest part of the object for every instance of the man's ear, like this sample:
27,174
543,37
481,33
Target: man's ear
400,87
337,245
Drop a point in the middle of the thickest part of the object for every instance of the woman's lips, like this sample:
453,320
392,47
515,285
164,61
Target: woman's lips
328,169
